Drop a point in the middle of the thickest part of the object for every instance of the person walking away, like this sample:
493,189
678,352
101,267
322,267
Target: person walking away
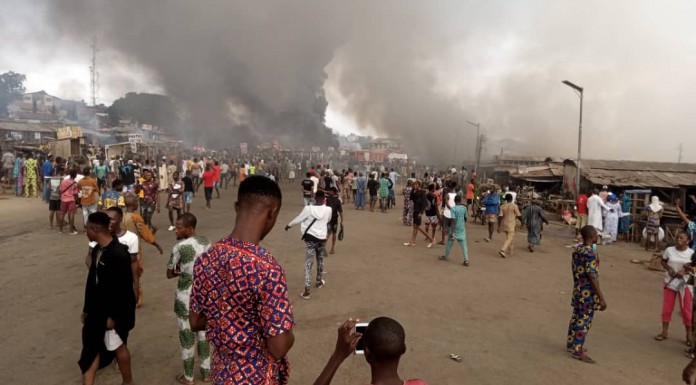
470,194
580,213
101,170
372,187
407,215
113,197
360,189
108,314
180,265
188,191
175,200
611,220
68,204
509,213
218,175
133,222
446,204
676,261
47,171
457,230
418,196
313,222
383,192
307,186
587,295
150,190
291,174
18,175
533,217
208,182
393,177
225,174
336,213
89,194
128,175
432,211
653,214
31,172
492,204
625,218
253,352
8,161
54,204
385,343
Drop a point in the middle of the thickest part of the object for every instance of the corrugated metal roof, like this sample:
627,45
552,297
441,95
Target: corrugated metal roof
27,127
640,179
629,165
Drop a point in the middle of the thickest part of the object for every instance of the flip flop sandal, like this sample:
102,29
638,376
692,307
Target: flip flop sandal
660,337
409,244
182,380
456,357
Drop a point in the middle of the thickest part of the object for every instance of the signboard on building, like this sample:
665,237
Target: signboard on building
69,132
135,138
243,148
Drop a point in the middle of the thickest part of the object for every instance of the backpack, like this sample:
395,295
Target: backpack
429,202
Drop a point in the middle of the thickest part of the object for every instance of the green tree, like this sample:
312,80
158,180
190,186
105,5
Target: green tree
11,88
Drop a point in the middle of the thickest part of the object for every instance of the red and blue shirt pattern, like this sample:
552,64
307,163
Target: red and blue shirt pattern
242,291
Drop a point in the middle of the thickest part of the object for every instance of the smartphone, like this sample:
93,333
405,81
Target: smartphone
360,328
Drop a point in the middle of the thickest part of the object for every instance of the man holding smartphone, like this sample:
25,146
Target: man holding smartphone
384,341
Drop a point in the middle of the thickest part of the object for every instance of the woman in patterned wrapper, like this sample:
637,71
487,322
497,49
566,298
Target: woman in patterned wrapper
653,213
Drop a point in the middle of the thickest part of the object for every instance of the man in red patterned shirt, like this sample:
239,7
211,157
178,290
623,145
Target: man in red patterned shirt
240,296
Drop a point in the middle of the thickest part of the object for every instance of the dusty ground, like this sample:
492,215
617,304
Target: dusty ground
506,317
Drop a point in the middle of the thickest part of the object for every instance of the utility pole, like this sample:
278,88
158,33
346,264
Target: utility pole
478,144
93,72
681,149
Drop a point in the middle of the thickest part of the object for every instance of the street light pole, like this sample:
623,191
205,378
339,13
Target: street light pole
478,145
580,90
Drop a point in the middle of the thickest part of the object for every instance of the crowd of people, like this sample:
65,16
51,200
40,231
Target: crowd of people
119,198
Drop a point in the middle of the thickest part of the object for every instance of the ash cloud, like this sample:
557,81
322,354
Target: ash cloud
412,70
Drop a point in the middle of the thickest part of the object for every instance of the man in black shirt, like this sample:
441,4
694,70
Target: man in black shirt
108,314
432,211
189,191
372,187
307,189
336,212
128,175
419,199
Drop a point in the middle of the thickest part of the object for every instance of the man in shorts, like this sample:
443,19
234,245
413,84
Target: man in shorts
432,212
418,197
188,191
492,204
336,212
68,191
372,186
581,212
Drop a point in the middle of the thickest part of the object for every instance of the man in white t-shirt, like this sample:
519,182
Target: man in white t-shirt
315,180
447,204
313,221
126,238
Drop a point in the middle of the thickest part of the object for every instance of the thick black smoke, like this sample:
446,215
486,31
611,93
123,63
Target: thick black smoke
414,70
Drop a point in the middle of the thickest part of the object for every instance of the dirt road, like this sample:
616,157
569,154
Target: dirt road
507,318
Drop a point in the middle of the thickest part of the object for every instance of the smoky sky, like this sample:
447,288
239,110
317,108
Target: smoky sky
413,70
